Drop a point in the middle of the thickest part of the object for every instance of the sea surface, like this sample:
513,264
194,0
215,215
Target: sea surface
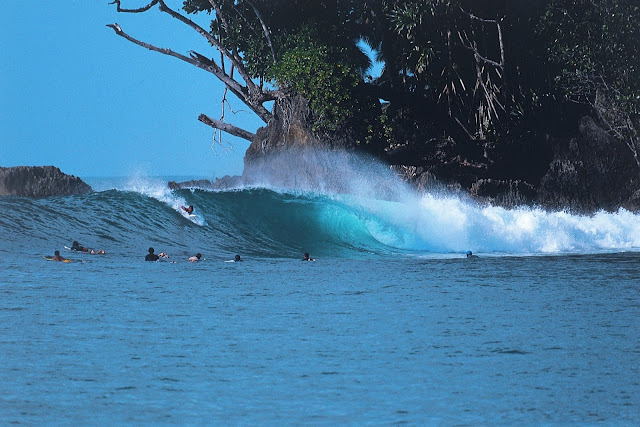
391,323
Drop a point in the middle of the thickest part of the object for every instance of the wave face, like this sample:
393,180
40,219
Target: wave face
335,205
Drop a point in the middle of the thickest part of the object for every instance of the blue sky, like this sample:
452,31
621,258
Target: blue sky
75,95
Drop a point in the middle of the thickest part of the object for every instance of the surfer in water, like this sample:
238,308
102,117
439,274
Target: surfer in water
307,258
195,258
471,255
58,257
76,247
151,256
188,210
237,258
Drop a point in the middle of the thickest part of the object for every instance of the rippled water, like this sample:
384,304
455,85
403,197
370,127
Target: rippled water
391,324
483,341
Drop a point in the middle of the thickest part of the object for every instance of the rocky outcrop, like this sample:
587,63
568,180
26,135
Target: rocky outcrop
220,184
39,181
289,128
566,162
590,171
583,170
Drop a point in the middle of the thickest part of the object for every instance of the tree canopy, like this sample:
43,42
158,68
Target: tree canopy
464,69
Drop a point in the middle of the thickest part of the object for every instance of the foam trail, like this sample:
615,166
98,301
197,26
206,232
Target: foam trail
158,190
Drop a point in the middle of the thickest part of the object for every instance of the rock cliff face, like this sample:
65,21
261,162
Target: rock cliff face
289,129
583,171
39,181
566,163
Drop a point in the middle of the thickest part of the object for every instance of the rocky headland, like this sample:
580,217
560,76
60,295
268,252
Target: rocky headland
39,181
574,165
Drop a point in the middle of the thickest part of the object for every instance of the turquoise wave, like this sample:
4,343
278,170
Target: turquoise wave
262,222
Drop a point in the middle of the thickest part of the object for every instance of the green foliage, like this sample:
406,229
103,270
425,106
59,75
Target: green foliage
422,27
596,48
319,73
316,54
452,67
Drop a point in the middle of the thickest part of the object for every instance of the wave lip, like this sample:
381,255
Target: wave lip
158,190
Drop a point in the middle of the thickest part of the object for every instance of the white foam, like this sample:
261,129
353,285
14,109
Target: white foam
448,224
158,189
397,216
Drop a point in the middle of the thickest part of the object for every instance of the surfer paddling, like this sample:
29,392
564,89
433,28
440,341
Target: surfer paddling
76,247
195,258
58,257
306,257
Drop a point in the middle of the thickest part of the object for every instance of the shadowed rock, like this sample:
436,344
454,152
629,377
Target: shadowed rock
39,181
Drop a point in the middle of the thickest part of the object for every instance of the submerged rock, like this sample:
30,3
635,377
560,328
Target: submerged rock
220,184
39,181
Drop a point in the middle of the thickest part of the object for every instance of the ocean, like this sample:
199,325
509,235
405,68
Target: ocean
391,323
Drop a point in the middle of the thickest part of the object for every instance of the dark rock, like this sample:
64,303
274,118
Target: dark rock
633,202
225,183
289,128
565,161
39,181
424,180
583,169
507,193
589,172
452,164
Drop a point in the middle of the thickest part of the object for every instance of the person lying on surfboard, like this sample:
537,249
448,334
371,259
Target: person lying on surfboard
307,258
58,257
188,210
76,247
195,258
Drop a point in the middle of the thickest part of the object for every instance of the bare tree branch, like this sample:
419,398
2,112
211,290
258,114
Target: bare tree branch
251,95
196,59
255,94
471,46
219,14
165,51
229,81
500,41
231,129
139,10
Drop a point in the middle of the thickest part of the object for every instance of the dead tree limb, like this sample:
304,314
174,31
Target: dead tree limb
219,14
228,128
138,10
196,60
254,92
252,95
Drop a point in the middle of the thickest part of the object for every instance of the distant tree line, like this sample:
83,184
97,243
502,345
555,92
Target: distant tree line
464,69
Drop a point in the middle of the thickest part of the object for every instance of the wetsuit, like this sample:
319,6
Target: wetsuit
151,257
